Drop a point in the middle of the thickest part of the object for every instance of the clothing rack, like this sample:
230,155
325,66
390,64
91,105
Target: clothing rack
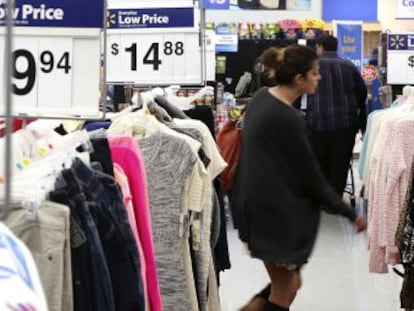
8,117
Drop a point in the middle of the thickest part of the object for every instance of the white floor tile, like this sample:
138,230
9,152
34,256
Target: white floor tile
335,279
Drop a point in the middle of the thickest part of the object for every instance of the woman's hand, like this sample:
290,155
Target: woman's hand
360,223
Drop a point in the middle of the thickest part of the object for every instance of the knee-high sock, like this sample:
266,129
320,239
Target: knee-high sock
274,307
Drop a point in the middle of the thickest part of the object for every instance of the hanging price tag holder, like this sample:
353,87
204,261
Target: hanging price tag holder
400,59
56,57
153,46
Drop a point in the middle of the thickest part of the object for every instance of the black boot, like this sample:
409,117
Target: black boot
273,307
264,293
259,301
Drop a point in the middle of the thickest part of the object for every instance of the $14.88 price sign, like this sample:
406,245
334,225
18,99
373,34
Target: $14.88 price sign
41,72
153,58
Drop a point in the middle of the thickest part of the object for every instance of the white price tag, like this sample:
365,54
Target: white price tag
42,72
154,58
55,57
400,59
400,67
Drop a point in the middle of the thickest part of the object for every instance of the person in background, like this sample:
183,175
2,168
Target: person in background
335,112
279,189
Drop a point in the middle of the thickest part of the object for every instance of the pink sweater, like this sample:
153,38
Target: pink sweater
122,180
125,152
389,189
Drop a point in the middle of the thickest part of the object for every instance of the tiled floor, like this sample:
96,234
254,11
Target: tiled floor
335,279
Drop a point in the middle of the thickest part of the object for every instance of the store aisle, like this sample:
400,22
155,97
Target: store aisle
336,278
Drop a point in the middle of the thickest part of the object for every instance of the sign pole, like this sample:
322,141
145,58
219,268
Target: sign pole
8,112
203,45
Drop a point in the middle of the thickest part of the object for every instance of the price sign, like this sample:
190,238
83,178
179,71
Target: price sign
150,59
400,59
153,46
55,57
38,64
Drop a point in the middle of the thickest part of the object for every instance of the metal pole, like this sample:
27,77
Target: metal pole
203,45
8,110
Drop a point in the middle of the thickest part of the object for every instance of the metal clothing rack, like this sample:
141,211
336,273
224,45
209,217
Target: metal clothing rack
8,115
8,118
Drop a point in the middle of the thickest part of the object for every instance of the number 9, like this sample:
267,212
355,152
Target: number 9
29,73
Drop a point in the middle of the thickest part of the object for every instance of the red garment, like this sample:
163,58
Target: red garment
229,142
17,125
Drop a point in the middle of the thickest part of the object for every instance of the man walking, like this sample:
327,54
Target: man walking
336,112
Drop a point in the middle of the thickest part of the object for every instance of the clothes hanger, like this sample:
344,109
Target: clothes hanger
32,185
42,127
139,100
171,109
185,103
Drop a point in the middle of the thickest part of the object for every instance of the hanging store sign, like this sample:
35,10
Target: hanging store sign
151,18
55,13
153,46
215,4
56,57
405,9
350,41
400,59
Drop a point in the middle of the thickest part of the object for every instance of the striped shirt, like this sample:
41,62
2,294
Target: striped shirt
339,101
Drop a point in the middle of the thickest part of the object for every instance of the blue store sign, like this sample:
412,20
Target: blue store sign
151,18
400,42
215,4
55,13
350,43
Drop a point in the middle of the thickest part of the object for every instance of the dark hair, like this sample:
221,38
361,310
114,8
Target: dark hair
283,64
328,42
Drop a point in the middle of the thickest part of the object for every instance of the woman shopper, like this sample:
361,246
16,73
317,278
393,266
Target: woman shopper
279,188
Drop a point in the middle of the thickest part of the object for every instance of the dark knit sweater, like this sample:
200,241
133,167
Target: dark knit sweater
279,188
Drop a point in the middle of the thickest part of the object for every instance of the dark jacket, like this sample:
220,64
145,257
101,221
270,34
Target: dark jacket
339,101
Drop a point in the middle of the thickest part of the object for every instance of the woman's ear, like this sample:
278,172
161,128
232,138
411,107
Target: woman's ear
298,79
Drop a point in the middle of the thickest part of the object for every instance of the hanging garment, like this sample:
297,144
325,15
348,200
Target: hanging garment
121,253
20,285
125,152
92,284
122,181
46,233
214,168
168,161
406,294
229,141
